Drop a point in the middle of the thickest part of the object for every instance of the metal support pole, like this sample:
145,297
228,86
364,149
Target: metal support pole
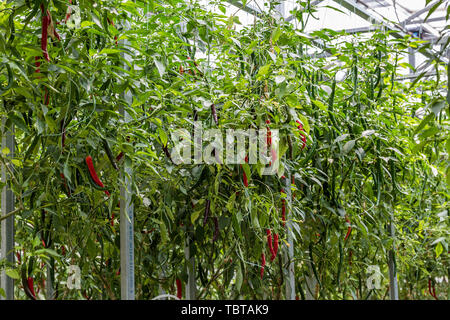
126,228
412,59
393,284
289,254
190,259
7,225
127,280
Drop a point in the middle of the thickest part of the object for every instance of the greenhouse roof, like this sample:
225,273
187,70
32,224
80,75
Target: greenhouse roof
424,20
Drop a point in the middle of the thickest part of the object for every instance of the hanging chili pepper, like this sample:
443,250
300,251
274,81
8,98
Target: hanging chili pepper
44,33
112,219
269,134
30,283
244,175
94,175
18,257
349,229
303,137
275,247
269,241
68,13
179,289
431,286
263,264
119,156
63,250
112,23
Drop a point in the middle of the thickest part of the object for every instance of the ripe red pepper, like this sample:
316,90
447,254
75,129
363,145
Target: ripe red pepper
430,286
349,229
63,250
93,174
18,257
269,242
112,219
244,176
112,23
300,127
44,33
68,13
179,289
269,134
275,247
30,283
263,264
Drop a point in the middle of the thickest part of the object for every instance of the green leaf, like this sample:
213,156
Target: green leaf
161,67
263,71
348,146
12,273
424,122
438,249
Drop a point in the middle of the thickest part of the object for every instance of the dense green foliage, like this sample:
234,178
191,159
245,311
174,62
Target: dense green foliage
371,158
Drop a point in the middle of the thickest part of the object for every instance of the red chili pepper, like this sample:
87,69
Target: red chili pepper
30,283
349,229
69,13
93,174
44,33
275,247
269,241
430,286
18,257
283,211
263,264
269,134
112,219
43,243
300,127
63,250
179,289
118,272
112,23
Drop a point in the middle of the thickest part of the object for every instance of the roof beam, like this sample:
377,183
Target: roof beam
313,4
396,30
247,8
418,13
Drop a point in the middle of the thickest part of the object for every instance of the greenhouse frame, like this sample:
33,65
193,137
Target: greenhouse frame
347,102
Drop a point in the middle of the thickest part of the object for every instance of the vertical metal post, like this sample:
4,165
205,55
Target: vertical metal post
7,225
190,259
127,280
289,255
412,59
393,284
